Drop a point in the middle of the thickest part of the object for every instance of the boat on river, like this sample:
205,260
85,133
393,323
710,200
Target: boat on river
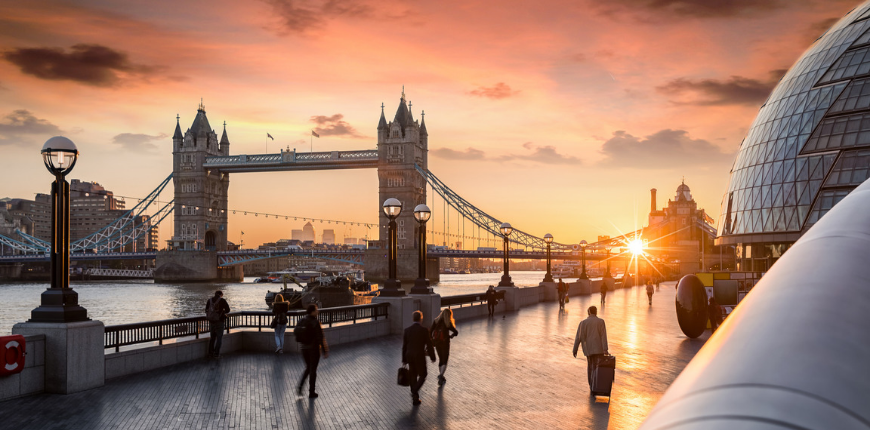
326,290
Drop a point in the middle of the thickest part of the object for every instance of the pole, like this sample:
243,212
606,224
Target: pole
506,278
583,275
421,285
392,286
549,276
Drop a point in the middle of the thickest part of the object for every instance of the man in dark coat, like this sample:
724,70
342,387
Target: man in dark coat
216,310
416,345
491,300
311,348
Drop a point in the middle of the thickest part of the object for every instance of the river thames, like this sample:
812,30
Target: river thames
121,302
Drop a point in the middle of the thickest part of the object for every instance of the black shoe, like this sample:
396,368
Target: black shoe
416,401
299,390
441,380
312,395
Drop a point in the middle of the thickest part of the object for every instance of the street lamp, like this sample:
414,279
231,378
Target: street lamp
421,285
607,249
59,303
549,239
583,246
506,230
392,287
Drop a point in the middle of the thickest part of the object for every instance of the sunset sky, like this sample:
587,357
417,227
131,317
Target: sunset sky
556,116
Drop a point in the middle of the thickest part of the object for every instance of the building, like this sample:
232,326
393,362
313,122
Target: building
297,234
308,232
34,216
328,237
92,208
351,241
808,147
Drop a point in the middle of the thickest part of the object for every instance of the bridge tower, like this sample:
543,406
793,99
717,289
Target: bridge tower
402,143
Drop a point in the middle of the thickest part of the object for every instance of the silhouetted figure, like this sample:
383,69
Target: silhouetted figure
658,283
443,329
309,335
649,292
715,313
491,300
592,335
216,310
416,345
562,290
279,309
603,290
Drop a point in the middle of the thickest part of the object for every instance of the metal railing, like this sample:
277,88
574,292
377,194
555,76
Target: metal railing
468,299
120,335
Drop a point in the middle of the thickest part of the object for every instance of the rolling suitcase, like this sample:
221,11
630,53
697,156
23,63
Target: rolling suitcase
603,376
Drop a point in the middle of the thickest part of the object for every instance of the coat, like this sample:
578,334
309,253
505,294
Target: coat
417,344
592,334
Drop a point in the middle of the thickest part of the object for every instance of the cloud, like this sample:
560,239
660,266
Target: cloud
295,19
540,154
735,90
301,18
138,141
664,149
21,123
95,65
675,9
452,154
334,126
495,92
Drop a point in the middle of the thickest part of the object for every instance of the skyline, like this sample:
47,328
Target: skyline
654,92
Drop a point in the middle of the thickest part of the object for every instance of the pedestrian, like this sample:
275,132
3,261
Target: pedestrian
279,321
416,345
658,283
715,313
216,310
603,290
592,335
491,300
649,291
443,329
309,335
562,290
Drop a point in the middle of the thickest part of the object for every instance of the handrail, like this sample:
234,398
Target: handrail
794,352
120,335
468,299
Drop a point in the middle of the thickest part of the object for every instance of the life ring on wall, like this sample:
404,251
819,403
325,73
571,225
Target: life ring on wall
12,351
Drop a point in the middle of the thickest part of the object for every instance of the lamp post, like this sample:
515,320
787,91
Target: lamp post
392,287
59,303
583,246
549,239
506,230
607,249
421,285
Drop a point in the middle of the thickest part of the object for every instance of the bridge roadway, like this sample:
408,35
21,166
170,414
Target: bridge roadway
512,372
356,256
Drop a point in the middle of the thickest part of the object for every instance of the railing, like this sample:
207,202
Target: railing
117,336
468,299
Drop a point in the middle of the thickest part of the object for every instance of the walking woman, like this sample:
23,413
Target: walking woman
280,308
649,291
441,331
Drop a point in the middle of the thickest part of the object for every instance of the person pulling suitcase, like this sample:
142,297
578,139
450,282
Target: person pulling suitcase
592,335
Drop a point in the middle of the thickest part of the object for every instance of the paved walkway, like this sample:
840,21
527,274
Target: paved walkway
507,373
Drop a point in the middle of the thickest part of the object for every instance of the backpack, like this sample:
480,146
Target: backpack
440,333
212,311
302,332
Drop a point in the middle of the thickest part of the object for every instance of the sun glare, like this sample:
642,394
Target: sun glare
636,247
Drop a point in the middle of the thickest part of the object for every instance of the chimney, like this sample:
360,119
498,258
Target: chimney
652,200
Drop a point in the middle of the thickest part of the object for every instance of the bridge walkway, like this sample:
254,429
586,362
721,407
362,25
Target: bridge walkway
506,373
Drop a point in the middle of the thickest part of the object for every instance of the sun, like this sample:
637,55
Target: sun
636,247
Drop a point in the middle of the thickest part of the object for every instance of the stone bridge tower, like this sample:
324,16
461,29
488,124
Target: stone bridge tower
402,144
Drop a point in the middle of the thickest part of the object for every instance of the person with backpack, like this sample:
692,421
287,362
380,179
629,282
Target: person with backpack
649,292
562,291
309,335
216,310
491,300
416,345
279,321
443,329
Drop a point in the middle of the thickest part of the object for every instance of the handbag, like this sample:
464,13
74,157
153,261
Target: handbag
567,299
402,376
274,322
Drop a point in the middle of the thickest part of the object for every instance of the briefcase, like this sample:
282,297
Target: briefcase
402,377
603,376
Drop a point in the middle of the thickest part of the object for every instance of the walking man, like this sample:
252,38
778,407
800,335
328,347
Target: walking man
416,345
562,290
592,335
216,310
603,290
309,335
649,292
491,300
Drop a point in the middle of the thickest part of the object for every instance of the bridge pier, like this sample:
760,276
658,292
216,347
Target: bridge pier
376,264
186,266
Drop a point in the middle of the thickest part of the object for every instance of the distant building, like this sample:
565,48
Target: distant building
308,232
34,216
297,234
329,237
351,241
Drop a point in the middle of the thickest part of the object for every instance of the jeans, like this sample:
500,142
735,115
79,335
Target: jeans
417,373
279,336
216,335
491,308
443,350
312,359
591,364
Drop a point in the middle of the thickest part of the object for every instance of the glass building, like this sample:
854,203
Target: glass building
808,147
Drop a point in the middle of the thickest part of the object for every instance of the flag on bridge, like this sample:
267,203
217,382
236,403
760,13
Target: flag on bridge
314,134
270,136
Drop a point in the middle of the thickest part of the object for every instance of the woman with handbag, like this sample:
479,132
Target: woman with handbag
441,330
279,322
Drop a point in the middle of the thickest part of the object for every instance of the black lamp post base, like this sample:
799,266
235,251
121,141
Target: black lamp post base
59,305
392,288
584,275
506,281
548,278
421,286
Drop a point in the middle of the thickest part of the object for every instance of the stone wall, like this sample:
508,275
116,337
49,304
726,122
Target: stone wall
186,266
31,380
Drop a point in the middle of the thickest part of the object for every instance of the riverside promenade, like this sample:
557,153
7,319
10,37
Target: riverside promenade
513,371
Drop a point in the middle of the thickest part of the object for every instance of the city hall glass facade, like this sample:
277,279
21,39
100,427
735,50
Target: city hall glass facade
807,149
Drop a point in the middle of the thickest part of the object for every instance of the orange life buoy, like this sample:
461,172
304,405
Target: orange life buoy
12,351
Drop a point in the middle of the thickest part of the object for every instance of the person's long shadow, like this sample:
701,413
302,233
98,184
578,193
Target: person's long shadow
441,408
600,408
